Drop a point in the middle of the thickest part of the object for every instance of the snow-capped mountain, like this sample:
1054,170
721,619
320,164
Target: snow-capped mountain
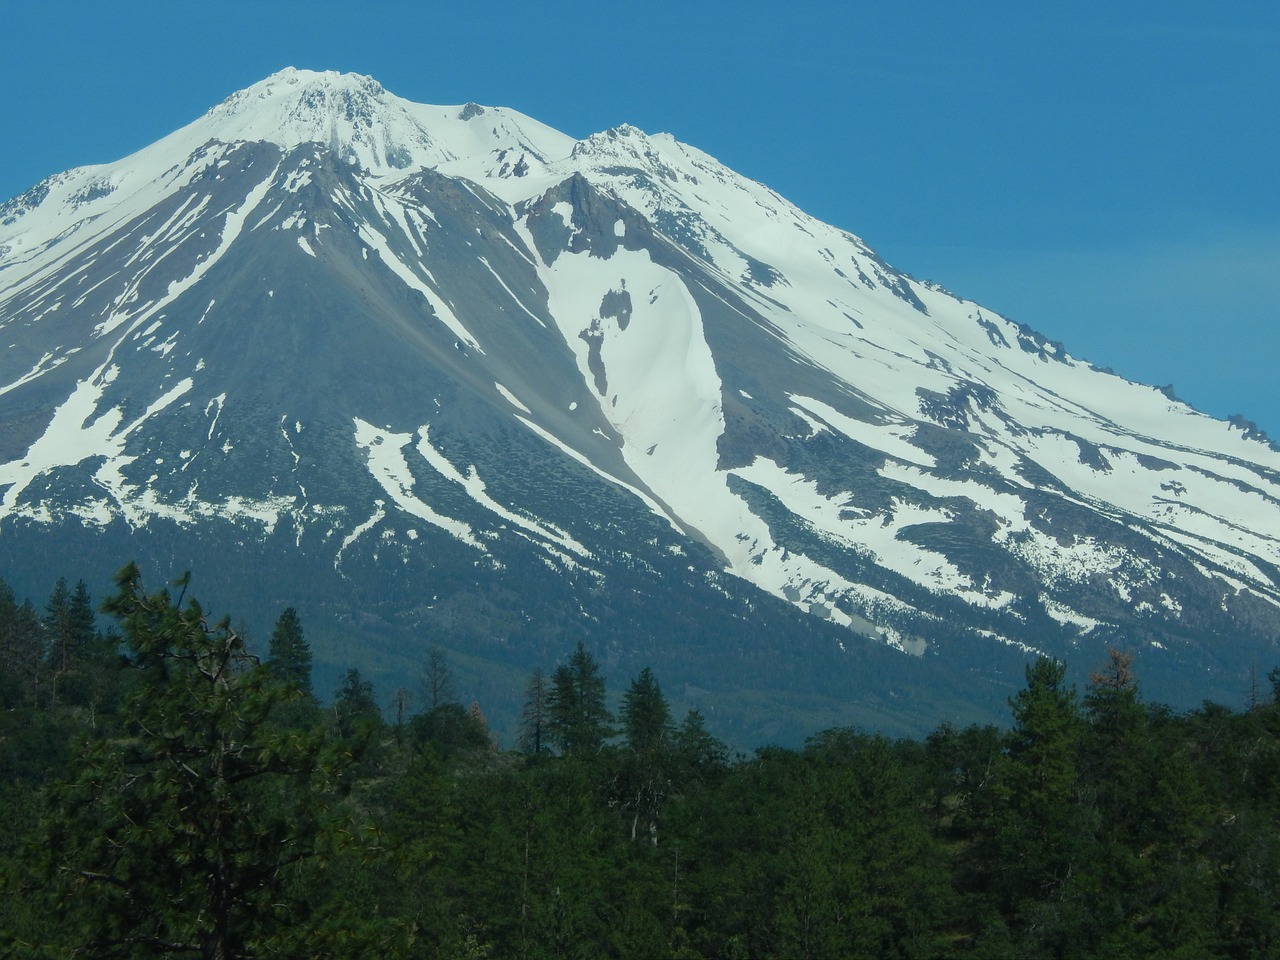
450,360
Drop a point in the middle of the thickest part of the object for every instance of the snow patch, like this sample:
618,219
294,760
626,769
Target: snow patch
475,488
511,398
384,457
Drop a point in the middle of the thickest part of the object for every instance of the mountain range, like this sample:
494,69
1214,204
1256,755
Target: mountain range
445,375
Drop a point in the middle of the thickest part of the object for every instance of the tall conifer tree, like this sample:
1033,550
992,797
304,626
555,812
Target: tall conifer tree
21,650
534,719
646,718
289,654
579,720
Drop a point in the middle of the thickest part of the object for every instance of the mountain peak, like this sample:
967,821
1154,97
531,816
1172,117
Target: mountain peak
365,124
393,340
308,89
350,114
348,111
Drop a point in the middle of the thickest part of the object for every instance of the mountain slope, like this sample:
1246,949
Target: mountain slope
388,349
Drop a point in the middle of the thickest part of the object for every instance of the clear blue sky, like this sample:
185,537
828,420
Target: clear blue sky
1107,173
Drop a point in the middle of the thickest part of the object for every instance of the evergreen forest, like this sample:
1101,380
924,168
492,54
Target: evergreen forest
169,794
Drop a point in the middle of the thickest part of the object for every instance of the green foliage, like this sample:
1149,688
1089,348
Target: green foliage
70,632
436,682
646,718
21,651
578,720
448,730
289,654
697,756
1039,824
185,834
535,717
355,709
196,811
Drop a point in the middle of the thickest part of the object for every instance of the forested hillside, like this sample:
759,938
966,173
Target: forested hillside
168,794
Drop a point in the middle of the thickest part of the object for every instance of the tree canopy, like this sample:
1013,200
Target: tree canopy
187,809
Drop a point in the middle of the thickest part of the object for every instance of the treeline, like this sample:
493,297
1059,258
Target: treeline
167,794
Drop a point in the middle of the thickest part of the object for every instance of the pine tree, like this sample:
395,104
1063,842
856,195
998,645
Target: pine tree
1114,743
534,718
84,623
289,654
61,645
1046,725
176,840
1040,833
436,682
646,718
643,783
71,640
578,719
699,756
21,651
355,708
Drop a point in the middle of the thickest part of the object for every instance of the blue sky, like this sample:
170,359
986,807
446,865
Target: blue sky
1103,172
